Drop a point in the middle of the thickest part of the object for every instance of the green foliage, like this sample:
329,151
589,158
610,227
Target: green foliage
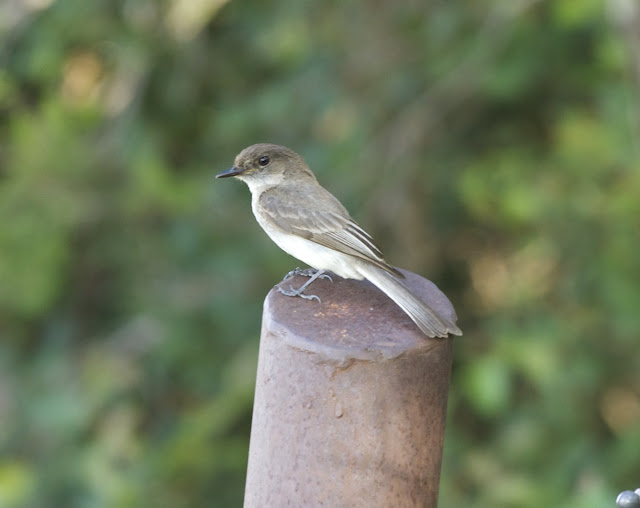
491,146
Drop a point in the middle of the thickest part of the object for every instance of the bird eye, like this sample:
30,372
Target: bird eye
263,161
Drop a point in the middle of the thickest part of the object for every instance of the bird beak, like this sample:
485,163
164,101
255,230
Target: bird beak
232,171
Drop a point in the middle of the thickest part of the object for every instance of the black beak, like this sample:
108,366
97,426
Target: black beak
232,171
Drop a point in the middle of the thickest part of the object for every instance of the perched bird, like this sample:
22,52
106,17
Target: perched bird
308,222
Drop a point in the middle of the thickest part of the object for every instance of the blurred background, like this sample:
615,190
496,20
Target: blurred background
491,146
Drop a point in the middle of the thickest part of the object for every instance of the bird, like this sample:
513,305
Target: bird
309,223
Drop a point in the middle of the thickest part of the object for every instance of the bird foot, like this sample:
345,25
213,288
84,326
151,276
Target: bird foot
298,292
308,272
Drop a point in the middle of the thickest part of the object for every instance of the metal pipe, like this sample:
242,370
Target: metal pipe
350,401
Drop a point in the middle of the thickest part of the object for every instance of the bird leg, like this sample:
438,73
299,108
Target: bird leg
309,272
306,272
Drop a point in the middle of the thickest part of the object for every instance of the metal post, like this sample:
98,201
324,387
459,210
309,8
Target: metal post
350,401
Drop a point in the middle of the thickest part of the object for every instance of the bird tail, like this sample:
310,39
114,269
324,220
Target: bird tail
427,319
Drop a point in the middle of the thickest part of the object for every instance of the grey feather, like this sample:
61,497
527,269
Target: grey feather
430,322
331,226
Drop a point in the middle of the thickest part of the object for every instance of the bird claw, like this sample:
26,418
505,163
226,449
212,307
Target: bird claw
292,273
306,272
325,276
297,292
309,272
310,297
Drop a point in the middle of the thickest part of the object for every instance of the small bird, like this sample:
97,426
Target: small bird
309,223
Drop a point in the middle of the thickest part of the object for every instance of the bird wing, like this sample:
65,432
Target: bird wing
323,221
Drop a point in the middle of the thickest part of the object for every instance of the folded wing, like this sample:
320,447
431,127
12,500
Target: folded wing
332,228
